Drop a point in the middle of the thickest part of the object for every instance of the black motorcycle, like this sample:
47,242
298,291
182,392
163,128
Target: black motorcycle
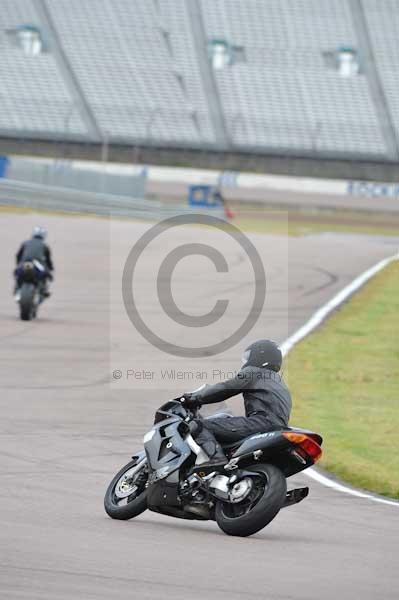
242,498
31,291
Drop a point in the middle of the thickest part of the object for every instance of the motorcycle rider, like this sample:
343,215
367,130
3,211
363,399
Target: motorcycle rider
267,402
36,249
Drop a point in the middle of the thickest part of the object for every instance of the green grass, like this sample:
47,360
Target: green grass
306,225
10,209
345,384
292,223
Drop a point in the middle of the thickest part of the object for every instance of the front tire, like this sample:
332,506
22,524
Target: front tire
261,506
118,502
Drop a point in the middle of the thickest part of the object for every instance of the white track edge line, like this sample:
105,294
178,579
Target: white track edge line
315,320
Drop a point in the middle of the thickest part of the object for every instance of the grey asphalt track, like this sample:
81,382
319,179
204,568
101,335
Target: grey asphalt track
65,430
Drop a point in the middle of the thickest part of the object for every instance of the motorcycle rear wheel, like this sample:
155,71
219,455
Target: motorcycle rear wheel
126,505
259,508
26,303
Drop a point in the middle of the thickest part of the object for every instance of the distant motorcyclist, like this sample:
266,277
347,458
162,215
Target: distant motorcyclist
267,402
218,198
36,249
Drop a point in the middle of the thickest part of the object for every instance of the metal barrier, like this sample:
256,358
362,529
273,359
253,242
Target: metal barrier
44,197
68,175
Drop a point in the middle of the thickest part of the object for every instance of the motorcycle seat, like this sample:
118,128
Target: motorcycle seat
229,446
315,436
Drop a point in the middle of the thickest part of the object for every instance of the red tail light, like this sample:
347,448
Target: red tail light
306,443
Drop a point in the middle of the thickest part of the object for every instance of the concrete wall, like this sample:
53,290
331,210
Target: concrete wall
300,166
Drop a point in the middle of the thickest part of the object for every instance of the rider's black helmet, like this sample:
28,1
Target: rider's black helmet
263,353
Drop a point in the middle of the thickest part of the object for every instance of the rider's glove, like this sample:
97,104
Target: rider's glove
190,400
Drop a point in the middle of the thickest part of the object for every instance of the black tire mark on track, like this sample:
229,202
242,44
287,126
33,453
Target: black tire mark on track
332,278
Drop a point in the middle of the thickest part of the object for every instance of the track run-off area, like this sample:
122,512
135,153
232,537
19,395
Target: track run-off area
66,427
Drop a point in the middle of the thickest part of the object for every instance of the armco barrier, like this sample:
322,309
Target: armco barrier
43,197
67,174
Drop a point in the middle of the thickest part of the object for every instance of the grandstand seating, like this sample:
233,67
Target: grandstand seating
383,23
138,85
284,96
33,95
139,73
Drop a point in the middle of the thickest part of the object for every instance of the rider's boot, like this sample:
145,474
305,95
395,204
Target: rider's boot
16,293
217,458
213,464
45,290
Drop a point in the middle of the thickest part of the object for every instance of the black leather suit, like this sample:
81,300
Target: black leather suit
35,249
267,403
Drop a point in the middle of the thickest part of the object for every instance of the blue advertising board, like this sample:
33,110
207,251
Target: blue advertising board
3,166
203,196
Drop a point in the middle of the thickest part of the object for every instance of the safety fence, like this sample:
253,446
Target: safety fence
69,174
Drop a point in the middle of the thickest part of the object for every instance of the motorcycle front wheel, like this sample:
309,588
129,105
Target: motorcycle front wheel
260,505
126,496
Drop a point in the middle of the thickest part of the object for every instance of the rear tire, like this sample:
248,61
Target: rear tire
134,506
265,509
26,305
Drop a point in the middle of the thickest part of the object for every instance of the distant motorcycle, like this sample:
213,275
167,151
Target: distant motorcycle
243,498
31,276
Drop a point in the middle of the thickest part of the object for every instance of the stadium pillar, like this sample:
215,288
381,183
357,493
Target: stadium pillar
376,87
66,71
207,75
